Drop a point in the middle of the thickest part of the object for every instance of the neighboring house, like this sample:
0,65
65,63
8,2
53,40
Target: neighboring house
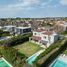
61,26
10,28
64,25
23,30
45,37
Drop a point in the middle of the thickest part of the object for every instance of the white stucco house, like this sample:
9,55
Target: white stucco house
10,28
23,30
44,37
17,30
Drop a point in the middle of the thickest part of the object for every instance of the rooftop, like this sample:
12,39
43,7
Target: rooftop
40,30
48,32
45,32
23,27
10,26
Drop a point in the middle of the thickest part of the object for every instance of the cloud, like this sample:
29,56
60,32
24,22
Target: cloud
21,5
46,3
63,2
25,3
28,3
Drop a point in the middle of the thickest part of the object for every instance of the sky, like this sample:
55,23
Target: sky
33,8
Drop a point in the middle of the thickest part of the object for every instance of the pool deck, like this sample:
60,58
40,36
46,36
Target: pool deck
63,58
7,62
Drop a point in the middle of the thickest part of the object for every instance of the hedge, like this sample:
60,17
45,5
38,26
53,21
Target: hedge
17,39
4,33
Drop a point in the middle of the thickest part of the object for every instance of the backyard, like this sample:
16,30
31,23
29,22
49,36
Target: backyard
28,48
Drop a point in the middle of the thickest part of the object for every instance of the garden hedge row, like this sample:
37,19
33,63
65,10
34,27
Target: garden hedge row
17,39
4,33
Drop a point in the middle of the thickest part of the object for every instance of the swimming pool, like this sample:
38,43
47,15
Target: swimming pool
58,63
4,63
33,57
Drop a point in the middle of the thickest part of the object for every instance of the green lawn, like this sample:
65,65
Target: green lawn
28,48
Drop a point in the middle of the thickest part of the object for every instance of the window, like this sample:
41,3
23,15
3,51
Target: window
44,37
35,34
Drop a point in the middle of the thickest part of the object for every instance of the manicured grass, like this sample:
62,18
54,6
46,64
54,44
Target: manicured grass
28,48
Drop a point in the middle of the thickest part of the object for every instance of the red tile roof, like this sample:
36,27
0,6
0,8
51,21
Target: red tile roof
36,38
48,32
39,30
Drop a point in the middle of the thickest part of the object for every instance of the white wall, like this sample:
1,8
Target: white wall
37,33
9,28
52,39
44,37
49,38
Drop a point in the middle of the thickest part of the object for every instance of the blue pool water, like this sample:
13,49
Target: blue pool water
3,63
58,63
31,59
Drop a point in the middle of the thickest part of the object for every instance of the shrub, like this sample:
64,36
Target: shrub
4,33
